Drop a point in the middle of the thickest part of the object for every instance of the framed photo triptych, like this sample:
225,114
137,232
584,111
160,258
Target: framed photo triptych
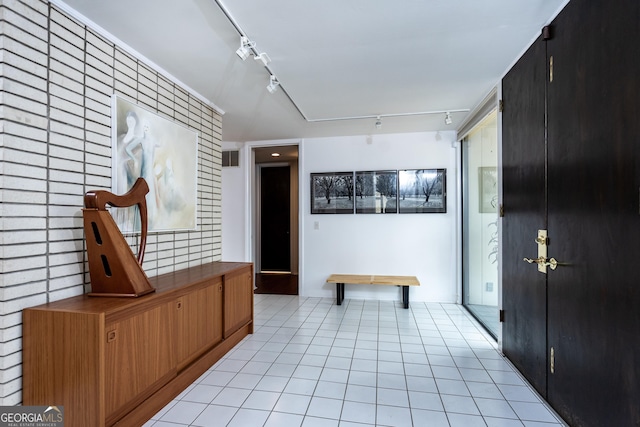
379,192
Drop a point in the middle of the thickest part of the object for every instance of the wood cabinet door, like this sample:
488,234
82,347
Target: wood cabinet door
61,364
238,300
139,358
199,322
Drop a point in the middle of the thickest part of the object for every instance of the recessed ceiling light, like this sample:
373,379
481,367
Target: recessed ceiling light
275,154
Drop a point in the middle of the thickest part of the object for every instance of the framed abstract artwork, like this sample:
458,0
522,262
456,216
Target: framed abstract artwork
162,152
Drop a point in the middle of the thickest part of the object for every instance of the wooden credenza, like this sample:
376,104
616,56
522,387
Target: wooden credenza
117,361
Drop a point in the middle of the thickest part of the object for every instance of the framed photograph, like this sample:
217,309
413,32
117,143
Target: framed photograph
376,192
165,154
332,193
422,191
488,189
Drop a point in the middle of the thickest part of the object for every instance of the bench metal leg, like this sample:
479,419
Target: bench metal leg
405,296
339,293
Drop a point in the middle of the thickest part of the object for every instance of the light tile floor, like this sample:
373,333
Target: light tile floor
312,363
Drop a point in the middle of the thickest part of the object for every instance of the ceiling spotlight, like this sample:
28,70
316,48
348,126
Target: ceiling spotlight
447,119
264,58
378,123
273,84
275,154
245,47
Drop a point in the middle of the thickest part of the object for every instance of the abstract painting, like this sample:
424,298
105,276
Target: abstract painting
162,152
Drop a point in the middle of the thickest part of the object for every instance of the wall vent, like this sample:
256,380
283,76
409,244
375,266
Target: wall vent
230,158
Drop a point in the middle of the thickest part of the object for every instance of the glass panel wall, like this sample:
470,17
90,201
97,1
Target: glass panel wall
480,222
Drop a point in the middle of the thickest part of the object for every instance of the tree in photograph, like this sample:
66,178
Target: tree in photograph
386,185
408,186
361,185
429,183
326,184
346,185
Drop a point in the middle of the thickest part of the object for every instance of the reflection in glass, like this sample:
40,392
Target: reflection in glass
376,192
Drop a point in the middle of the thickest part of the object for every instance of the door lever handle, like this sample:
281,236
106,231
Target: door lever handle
543,261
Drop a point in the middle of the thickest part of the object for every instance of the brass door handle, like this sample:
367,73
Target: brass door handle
543,262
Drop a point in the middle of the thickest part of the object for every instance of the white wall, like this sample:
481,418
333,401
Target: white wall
404,244
423,245
234,194
58,76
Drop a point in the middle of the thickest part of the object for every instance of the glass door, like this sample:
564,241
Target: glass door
480,222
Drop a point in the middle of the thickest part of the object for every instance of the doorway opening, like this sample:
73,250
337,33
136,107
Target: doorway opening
276,220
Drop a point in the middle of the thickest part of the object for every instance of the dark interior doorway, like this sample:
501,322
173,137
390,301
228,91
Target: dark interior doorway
277,220
275,224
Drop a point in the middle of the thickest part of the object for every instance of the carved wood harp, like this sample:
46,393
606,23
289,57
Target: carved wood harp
114,269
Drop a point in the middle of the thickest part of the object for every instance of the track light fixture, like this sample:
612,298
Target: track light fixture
264,58
447,119
245,48
273,84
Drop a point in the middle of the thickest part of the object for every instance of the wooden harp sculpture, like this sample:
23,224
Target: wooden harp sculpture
114,269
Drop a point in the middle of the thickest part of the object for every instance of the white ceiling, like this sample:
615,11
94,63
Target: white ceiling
335,59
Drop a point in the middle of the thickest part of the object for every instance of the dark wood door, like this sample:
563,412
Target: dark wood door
592,201
524,292
594,218
275,218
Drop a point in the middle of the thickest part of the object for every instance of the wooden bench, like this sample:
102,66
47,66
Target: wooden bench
363,279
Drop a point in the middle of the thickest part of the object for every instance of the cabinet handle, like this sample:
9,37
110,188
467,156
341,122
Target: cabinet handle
179,305
111,336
